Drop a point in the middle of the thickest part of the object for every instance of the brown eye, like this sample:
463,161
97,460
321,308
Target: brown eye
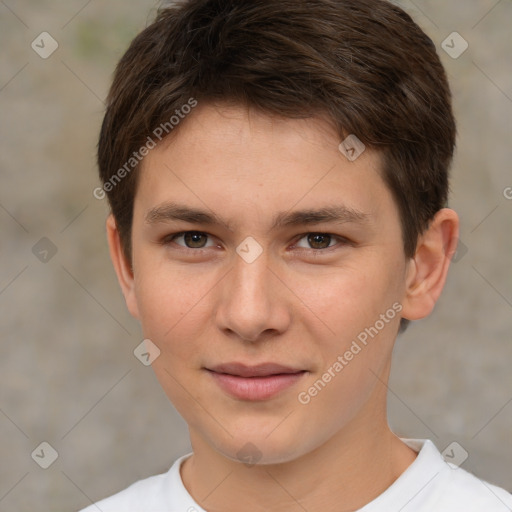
191,240
319,240
195,239
318,244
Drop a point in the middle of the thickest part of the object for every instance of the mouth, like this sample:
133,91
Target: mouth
254,383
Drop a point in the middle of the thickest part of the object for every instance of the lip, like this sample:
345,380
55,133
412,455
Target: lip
255,383
259,370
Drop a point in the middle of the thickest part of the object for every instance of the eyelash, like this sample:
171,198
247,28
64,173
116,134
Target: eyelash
315,252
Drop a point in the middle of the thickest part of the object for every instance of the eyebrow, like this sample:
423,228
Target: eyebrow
339,214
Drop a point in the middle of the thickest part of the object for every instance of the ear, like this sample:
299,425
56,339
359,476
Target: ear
428,268
122,267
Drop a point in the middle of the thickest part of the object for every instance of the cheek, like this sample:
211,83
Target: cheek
351,303
171,304
168,301
348,299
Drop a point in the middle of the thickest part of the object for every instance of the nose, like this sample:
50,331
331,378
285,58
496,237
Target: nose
253,304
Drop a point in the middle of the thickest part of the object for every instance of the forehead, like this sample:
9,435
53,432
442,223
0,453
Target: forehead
236,160
245,131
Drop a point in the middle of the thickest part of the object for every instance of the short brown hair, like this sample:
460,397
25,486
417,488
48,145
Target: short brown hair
363,63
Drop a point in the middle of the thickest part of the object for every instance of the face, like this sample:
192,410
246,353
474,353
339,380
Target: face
269,271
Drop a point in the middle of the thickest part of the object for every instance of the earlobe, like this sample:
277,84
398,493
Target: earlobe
427,271
122,267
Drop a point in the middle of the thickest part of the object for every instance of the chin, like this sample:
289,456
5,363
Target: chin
263,446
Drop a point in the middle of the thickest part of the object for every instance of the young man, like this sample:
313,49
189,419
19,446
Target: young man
278,176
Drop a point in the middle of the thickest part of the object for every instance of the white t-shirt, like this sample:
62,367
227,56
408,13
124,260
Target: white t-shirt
429,484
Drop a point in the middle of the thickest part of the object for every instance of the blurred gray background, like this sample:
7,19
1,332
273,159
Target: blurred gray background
68,375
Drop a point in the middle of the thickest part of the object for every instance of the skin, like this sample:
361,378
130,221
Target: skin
205,306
